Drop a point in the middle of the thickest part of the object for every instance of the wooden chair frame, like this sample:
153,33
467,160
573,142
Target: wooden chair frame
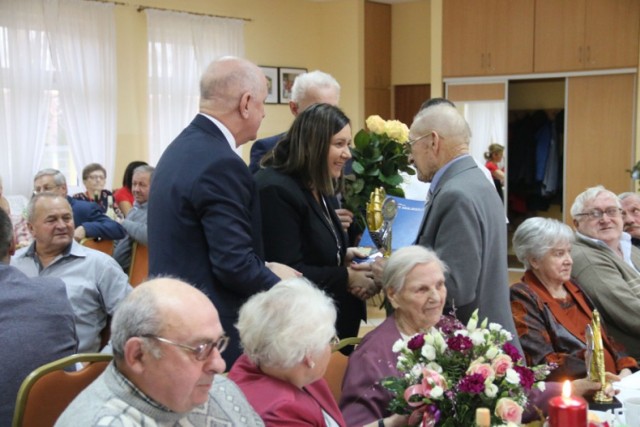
49,389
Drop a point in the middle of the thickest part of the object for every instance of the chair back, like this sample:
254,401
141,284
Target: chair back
101,245
49,389
338,366
139,268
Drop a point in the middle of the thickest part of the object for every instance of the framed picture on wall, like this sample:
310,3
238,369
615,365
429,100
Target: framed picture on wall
286,78
271,73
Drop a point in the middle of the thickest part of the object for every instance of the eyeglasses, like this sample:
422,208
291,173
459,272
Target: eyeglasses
409,143
599,213
334,341
96,177
201,351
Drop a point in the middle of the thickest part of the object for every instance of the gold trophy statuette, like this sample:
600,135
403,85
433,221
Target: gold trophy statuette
381,211
595,358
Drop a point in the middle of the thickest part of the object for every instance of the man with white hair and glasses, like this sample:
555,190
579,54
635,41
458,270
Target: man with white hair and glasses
167,344
606,264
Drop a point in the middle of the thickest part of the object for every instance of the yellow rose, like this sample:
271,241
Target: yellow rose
375,124
397,131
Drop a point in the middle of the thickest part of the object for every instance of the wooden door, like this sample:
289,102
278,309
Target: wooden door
611,36
509,37
559,35
599,136
407,101
463,38
377,60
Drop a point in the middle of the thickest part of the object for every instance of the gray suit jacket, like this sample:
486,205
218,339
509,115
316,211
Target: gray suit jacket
464,224
614,288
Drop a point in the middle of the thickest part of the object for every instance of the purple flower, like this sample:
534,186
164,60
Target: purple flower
513,352
473,383
416,342
449,324
459,343
527,377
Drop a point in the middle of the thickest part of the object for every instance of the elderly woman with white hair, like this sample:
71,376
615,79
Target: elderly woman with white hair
550,311
414,283
287,334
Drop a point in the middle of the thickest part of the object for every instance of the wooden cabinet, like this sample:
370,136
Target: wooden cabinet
491,37
599,134
586,34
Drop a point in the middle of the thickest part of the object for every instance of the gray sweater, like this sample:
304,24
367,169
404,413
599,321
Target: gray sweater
613,286
111,400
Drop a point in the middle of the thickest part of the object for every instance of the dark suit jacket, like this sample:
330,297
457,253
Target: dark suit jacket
297,233
281,403
260,148
95,222
464,224
37,326
204,222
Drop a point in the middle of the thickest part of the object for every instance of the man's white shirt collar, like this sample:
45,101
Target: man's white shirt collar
227,134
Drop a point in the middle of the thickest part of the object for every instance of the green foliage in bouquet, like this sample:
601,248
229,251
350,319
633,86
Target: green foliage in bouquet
379,155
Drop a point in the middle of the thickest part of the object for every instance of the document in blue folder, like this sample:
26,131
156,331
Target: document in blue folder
405,226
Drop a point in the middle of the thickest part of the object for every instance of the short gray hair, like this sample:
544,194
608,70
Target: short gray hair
312,80
444,119
536,236
627,194
136,316
588,195
31,206
279,327
144,169
403,261
58,177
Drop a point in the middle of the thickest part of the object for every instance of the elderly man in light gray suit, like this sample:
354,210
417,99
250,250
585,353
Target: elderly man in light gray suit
464,217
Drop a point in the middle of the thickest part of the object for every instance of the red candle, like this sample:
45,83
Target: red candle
567,410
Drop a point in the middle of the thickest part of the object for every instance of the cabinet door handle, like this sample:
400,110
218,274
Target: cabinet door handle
580,54
489,61
588,58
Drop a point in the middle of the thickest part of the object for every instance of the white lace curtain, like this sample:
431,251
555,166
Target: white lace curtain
66,46
181,45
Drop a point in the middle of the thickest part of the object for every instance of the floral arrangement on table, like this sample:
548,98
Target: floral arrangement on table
379,155
451,371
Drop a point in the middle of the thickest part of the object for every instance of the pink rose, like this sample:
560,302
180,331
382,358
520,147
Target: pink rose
431,379
501,363
483,369
508,410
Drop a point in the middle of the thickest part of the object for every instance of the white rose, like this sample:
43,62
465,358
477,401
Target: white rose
491,390
398,346
512,376
436,392
477,337
491,353
495,327
541,385
429,339
428,352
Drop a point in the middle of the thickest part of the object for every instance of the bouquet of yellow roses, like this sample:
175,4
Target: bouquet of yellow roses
451,371
379,155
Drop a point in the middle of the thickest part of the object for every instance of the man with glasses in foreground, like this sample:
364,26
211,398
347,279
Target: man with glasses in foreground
167,342
606,264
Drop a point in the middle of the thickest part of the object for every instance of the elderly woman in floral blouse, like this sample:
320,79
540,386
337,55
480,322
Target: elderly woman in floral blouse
551,312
